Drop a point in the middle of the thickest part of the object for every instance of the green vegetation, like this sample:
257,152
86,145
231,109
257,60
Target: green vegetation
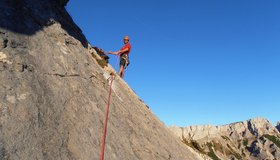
193,144
211,154
235,154
230,151
273,139
245,142
214,147
101,61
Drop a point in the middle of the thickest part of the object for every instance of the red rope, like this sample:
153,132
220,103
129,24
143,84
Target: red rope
106,120
116,65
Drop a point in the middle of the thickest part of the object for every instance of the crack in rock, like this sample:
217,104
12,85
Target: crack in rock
63,75
71,75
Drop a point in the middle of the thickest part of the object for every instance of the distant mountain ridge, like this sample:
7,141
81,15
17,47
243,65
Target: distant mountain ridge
256,138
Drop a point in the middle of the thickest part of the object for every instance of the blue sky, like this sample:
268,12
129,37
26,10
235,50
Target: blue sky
193,61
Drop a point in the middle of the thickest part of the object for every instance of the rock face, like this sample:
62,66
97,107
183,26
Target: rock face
53,94
278,126
62,2
252,139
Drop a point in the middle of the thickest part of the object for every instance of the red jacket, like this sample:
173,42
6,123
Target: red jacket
126,46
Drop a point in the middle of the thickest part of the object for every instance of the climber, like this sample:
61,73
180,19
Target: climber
123,53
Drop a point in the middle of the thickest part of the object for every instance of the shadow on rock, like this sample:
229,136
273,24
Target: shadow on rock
29,16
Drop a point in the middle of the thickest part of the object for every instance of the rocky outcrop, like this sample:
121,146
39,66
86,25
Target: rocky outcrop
62,2
278,126
102,54
252,139
27,17
53,94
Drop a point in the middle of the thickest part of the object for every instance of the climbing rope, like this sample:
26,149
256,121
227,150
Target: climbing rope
111,79
106,118
118,57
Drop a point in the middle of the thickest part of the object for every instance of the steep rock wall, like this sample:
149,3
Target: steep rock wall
53,94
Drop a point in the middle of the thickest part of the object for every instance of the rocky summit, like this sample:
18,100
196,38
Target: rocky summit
54,89
252,139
